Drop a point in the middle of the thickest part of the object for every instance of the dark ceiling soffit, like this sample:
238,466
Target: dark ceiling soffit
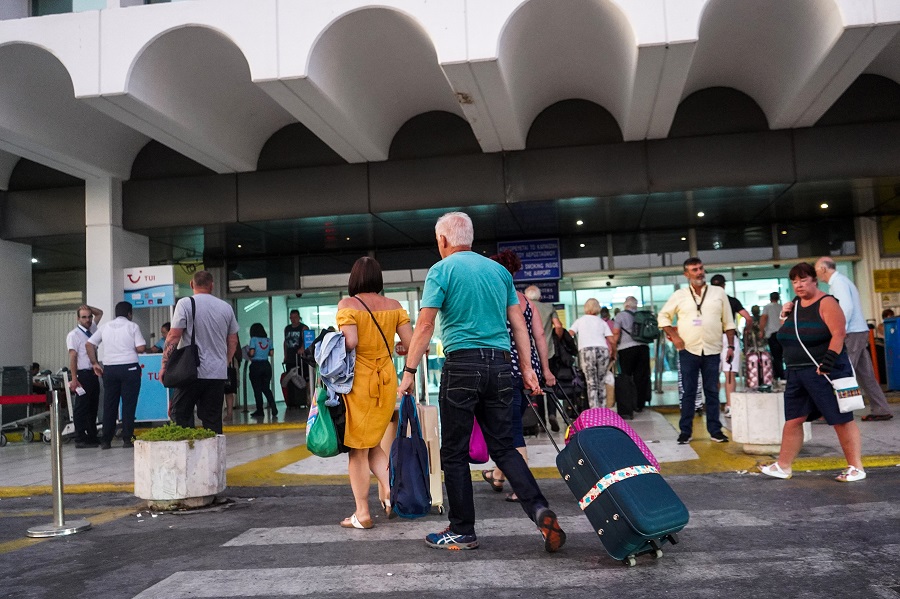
28,213
185,201
301,193
848,151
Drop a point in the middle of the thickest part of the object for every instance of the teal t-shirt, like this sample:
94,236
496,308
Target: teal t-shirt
472,293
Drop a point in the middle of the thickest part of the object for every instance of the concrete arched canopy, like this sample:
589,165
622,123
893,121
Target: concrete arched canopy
377,83
41,120
190,88
767,49
587,51
887,64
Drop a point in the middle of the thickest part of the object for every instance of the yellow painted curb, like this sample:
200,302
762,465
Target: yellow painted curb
264,472
6,492
259,428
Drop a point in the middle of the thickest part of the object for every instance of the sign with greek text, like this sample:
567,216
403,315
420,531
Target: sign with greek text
540,258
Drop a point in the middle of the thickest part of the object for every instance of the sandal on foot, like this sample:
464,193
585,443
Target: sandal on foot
774,470
388,509
850,475
496,484
512,498
876,417
354,522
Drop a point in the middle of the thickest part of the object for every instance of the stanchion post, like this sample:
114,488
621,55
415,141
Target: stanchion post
59,527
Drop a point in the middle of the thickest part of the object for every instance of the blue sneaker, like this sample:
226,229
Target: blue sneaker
447,539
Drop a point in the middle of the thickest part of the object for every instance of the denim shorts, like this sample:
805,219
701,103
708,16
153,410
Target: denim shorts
811,395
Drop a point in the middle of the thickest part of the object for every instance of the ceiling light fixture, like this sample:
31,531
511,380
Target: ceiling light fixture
34,260
823,206
580,245
240,246
684,239
784,232
701,214
579,222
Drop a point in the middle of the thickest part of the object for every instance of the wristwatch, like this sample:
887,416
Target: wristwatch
410,370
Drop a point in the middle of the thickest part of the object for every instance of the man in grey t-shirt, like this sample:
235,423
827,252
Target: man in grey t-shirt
215,334
770,323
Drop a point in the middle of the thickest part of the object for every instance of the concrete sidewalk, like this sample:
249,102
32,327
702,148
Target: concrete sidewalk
275,455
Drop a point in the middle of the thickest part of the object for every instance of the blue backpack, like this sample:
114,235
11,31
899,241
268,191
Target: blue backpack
410,489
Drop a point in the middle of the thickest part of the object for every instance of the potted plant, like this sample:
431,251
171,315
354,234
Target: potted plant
177,467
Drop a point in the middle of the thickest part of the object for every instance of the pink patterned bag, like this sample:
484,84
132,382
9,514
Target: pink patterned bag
606,417
478,451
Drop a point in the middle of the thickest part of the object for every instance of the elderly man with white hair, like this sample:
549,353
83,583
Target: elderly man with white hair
634,355
476,297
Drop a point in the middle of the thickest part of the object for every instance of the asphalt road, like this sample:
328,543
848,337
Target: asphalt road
749,536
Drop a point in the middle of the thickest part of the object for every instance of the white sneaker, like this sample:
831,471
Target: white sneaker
775,471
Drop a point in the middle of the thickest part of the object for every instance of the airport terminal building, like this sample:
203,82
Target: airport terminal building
276,141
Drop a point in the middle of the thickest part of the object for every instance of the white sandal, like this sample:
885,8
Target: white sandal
851,475
774,470
354,522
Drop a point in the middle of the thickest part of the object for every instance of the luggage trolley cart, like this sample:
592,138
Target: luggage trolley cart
27,423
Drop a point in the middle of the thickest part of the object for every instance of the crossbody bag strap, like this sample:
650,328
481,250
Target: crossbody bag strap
378,326
193,319
797,333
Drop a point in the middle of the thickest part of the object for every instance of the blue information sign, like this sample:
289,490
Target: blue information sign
153,399
549,289
308,337
540,258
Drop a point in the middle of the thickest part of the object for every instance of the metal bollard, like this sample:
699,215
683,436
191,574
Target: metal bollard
59,527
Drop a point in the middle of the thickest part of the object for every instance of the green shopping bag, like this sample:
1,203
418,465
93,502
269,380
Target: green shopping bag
321,437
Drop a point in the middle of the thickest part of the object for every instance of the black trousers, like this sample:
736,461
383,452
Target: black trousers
120,381
85,407
208,395
635,361
777,357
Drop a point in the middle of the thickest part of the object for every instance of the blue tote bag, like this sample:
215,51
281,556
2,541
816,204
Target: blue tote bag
410,489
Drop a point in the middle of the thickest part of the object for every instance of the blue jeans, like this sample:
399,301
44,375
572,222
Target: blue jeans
691,366
478,382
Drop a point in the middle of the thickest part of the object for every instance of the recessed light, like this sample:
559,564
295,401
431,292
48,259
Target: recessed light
701,214
784,232
240,246
34,260
579,222
684,239
348,239
580,245
823,206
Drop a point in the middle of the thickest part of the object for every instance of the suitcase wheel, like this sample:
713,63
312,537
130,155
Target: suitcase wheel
629,561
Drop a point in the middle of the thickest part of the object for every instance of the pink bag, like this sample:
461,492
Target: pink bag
606,417
478,451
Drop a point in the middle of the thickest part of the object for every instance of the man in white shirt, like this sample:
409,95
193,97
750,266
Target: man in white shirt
84,384
703,313
857,340
120,371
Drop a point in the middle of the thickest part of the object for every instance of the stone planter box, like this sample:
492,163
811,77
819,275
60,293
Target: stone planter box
757,420
174,475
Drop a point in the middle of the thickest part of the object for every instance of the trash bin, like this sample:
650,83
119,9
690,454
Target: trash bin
892,352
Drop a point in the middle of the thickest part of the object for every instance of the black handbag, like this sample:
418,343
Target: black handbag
182,366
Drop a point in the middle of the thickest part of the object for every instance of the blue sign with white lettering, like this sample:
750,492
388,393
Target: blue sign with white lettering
549,290
308,337
540,258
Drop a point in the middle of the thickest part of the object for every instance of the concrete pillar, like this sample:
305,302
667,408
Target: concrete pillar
109,248
15,304
868,246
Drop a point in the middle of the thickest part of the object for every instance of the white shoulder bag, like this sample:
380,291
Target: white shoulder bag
846,389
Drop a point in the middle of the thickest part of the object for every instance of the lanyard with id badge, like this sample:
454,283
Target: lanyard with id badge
698,321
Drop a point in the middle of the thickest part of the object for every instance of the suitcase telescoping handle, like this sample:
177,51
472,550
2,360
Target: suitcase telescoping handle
550,393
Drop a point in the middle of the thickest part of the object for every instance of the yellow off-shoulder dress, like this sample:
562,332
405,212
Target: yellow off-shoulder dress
371,401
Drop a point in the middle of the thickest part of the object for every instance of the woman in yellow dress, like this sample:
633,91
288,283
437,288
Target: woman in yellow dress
371,401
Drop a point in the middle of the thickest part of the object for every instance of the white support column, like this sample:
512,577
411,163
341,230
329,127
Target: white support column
15,304
109,248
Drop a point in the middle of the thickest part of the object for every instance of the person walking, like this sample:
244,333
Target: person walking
370,322
215,333
539,363
293,350
857,341
87,402
634,356
703,313
733,366
550,322
770,323
820,330
476,297
120,371
596,349
260,350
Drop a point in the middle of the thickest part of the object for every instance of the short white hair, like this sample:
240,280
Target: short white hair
630,302
533,293
457,228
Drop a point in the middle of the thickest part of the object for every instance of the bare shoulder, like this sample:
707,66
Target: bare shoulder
347,302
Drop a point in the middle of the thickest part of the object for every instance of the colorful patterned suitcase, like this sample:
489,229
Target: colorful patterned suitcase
630,506
606,417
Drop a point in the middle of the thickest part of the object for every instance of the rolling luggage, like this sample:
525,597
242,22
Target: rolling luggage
760,374
605,417
630,506
529,416
626,396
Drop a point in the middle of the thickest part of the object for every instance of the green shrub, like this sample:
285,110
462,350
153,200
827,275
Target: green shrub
173,432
